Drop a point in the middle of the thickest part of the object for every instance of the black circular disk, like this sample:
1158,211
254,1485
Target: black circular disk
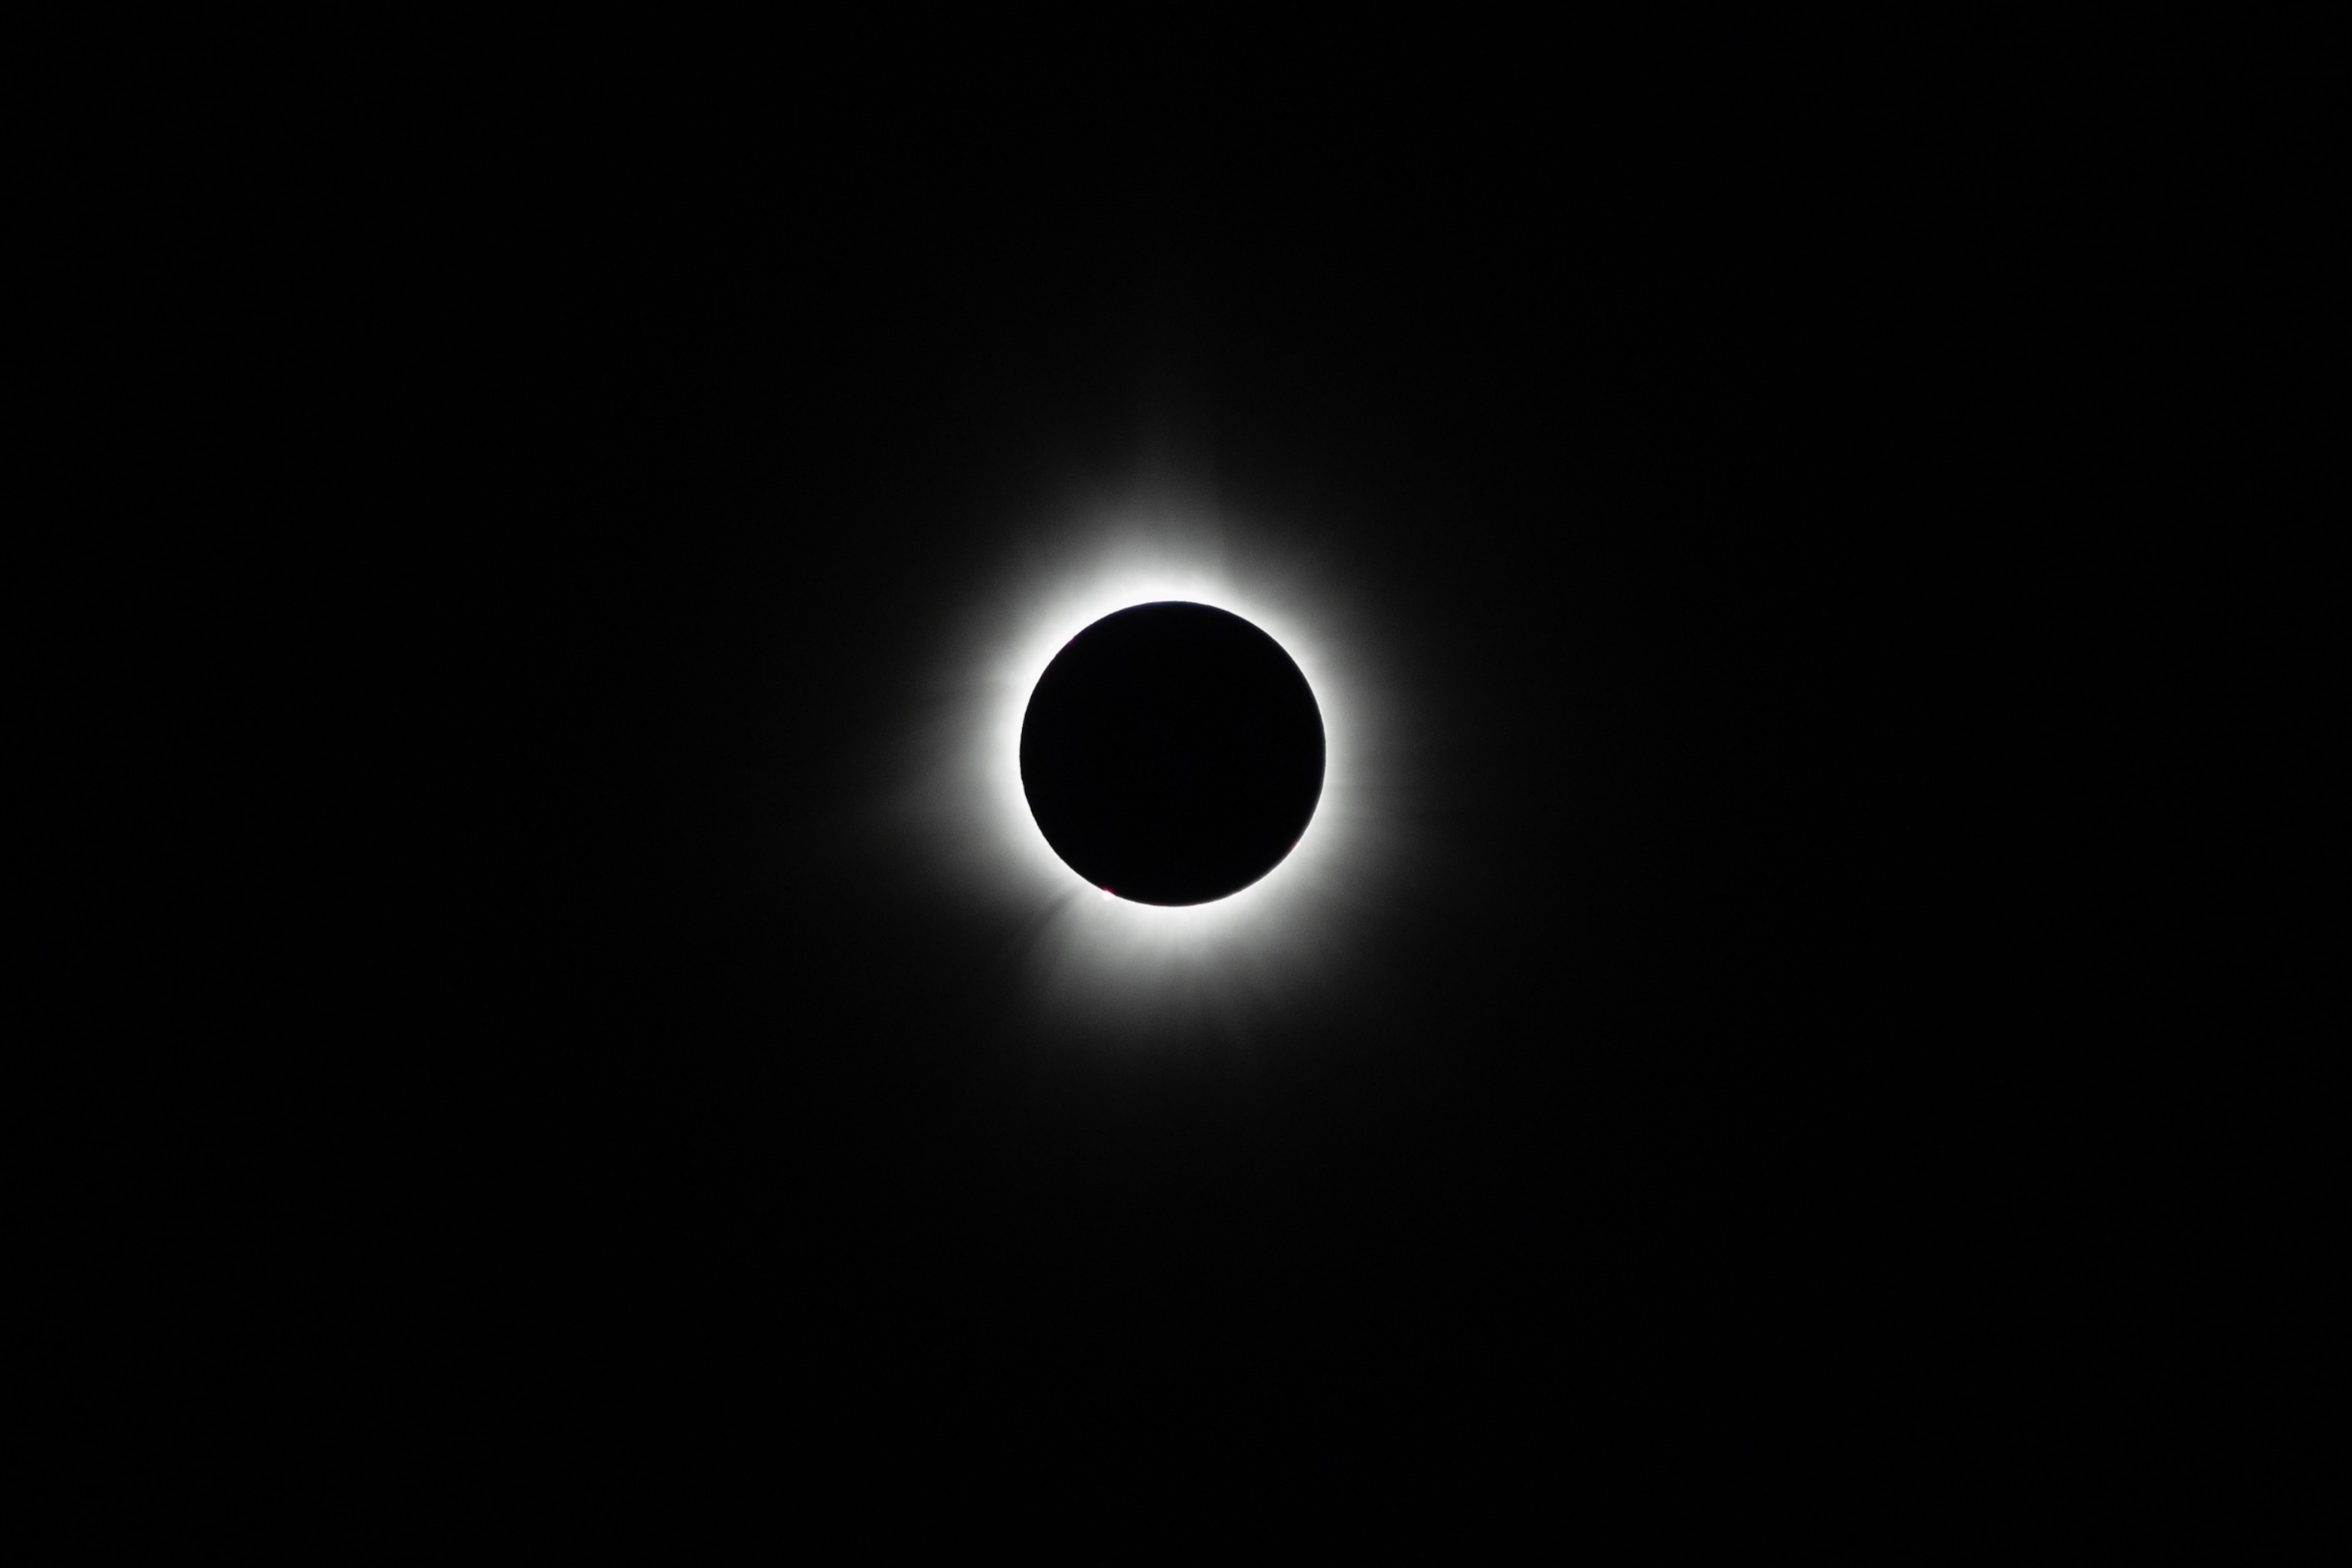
1173,753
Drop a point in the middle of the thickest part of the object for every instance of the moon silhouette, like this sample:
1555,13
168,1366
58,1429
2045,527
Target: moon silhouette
1173,753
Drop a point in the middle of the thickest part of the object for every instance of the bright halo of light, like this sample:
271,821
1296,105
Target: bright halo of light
1106,964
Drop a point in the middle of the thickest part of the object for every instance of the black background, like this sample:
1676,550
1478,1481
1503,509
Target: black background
596,452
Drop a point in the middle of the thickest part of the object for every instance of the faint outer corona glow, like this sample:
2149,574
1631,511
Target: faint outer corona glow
1099,962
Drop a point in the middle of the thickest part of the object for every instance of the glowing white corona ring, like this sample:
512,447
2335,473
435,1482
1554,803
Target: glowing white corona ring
1105,962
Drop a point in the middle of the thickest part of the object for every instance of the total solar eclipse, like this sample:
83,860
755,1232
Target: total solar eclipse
1173,753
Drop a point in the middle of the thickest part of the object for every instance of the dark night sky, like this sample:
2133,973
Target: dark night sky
1595,451
643,1123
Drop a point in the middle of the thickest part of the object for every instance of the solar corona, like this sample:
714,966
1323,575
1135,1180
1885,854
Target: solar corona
1162,762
